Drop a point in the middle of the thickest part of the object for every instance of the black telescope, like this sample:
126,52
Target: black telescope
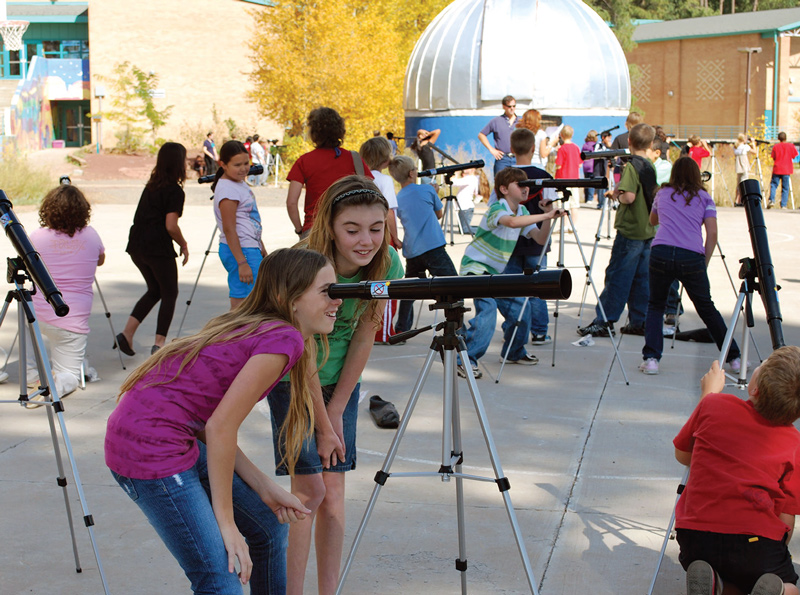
547,285
564,183
255,170
450,169
767,284
31,259
607,130
610,154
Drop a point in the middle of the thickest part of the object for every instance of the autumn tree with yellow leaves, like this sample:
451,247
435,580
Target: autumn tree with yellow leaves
350,55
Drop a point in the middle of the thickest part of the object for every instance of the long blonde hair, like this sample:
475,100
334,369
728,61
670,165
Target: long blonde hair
283,277
321,238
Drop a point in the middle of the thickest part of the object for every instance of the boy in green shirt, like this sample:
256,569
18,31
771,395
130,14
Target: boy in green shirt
627,272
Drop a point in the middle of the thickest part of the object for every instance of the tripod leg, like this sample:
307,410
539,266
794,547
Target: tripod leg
382,475
669,531
591,260
108,317
196,281
511,341
502,482
457,452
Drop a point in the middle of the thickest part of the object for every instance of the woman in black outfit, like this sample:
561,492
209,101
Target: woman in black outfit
155,227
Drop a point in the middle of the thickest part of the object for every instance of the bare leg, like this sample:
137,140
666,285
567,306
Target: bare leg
160,340
235,302
329,534
790,589
310,489
130,329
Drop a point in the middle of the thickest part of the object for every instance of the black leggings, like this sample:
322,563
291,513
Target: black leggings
161,275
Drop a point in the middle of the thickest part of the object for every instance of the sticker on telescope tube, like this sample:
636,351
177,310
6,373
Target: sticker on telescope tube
378,290
5,219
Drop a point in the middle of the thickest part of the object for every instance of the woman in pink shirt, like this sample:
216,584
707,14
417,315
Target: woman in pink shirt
171,443
72,251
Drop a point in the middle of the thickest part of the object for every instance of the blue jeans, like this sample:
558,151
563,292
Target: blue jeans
438,263
179,509
626,281
504,162
465,217
537,307
481,328
668,263
773,186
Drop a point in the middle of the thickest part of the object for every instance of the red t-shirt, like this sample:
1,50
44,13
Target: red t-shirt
742,472
698,153
317,170
782,155
568,161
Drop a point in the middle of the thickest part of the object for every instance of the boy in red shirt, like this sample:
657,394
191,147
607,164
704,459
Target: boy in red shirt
782,154
568,164
735,518
699,150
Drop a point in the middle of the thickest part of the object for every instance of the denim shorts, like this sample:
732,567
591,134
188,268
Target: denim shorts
309,463
738,559
236,287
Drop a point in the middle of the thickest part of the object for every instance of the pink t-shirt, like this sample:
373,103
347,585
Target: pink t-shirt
72,262
152,433
568,161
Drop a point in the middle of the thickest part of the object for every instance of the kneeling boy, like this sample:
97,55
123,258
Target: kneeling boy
735,518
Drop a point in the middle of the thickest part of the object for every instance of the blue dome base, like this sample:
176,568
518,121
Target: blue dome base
460,133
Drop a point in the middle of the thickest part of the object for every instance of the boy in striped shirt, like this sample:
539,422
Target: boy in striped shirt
488,254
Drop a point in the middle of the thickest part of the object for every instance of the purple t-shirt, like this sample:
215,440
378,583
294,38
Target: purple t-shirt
152,433
502,128
681,224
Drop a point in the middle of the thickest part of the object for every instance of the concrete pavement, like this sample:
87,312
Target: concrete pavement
589,457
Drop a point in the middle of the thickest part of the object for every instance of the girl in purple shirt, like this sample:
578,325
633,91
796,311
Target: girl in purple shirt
681,209
171,443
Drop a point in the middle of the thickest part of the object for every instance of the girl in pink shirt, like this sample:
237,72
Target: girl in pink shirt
171,443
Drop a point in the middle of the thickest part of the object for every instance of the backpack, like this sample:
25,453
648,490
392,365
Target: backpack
647,178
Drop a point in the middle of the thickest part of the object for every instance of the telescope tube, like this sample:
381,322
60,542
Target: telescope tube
33,262
547,285
768,285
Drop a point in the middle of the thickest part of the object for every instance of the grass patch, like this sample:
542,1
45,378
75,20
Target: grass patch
22,183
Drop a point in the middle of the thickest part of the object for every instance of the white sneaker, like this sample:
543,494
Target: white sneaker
649,366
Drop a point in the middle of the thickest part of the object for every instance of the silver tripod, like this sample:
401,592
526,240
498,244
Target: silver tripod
445,346
52,402
197,280
589,281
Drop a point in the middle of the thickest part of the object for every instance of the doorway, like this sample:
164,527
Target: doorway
71,122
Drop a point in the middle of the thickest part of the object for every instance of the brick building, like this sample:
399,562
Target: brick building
199,50
693,73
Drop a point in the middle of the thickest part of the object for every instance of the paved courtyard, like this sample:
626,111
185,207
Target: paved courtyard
589,456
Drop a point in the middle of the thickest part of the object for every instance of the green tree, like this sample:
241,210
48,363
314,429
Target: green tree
132,105
350,55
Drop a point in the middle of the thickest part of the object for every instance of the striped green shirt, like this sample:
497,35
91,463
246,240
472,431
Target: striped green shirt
493,244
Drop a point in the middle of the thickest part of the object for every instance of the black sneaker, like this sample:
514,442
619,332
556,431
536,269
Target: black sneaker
630,329
543,339
476,371
597,329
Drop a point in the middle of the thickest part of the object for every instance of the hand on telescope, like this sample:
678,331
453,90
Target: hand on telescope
713,381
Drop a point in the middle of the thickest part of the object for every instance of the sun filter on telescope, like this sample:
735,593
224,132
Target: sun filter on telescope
547,285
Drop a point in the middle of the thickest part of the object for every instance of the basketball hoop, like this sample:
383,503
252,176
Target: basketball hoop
12,32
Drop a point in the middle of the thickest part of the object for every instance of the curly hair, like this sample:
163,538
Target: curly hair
65,209
326,128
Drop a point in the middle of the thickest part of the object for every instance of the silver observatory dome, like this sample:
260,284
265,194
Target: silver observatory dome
558,56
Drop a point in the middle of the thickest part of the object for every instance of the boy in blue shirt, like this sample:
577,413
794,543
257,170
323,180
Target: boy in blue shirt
419,209
489,253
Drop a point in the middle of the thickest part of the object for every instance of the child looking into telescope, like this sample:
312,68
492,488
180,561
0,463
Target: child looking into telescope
350,229
419,209
735,518
489,253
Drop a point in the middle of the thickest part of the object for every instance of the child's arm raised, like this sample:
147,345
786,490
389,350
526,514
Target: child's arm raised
515,222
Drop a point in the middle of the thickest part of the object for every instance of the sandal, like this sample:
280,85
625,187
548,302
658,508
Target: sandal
383,412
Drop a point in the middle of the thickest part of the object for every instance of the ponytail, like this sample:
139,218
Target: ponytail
217,176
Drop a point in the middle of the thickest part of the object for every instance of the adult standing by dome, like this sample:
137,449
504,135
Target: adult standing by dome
501,128
318,169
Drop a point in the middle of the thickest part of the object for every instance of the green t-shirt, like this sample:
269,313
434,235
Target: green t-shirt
346,324
633,220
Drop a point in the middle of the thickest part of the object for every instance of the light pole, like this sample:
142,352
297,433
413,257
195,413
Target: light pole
749,52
